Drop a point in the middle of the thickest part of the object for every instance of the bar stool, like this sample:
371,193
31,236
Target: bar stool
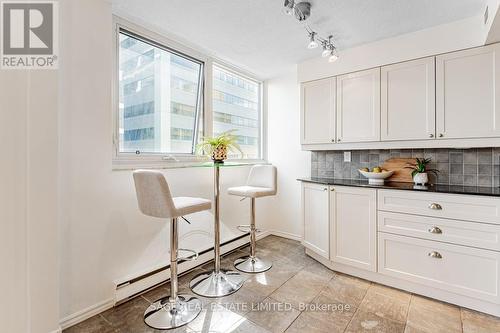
261,182
154,198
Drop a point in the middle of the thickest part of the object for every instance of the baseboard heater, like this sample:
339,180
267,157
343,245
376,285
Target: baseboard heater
130,288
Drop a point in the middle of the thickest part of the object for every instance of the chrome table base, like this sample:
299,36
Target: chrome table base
250,264
217,284
164,314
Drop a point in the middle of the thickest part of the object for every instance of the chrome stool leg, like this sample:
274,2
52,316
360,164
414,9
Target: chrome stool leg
175,310
252,264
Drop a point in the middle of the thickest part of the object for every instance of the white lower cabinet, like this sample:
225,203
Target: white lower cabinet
463,270
315,217
445,246
353,221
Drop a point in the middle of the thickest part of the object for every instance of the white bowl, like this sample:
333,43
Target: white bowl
376,178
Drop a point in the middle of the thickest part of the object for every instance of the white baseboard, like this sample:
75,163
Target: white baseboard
85,314
122,293
57,330
285,235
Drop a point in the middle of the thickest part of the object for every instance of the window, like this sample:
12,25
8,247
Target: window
160,98
237,105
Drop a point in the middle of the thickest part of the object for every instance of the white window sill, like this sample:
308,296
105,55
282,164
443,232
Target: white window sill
172,163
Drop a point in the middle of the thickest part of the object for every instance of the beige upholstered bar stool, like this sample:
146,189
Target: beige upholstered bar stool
261,182
154,198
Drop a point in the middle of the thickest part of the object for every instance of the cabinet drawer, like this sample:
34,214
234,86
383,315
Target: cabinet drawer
462,270
486,236
453,206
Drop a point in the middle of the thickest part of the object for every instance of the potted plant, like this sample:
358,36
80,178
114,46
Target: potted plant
217,147
420,171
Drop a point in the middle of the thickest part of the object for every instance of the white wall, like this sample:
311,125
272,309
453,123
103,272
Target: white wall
28,201
440,39
285,152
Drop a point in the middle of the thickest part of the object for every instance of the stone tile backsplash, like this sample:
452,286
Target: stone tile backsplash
470,167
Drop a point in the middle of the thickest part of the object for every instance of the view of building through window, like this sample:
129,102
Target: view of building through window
159,98
160,102
236,106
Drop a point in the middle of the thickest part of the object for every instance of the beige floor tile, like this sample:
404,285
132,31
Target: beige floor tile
385,306
370,322
477,322
300,289
128,318
214,319
96,324
347,289
427,315
246,326
266,283
323,315
273,315
388,291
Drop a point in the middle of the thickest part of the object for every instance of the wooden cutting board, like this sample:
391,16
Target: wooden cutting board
401,174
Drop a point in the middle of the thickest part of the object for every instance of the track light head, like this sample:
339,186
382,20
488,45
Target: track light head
312,43
333,55
302,10
288,7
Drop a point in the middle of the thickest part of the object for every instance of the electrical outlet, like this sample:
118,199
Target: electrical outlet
347,156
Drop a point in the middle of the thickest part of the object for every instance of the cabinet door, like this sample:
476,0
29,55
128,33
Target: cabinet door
468,93
358,106
318,111
408,100
315,218
354,227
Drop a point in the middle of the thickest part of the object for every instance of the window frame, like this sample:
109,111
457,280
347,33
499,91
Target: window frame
128,160
260,106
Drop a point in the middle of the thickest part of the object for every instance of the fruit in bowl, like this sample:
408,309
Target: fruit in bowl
376,176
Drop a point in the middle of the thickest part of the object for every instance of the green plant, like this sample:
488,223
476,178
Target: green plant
224,140
421,167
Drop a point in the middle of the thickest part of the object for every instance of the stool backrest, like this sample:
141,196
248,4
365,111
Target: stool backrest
153,194
263,176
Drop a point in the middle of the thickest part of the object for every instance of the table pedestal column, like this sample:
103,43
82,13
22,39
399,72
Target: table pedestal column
218,282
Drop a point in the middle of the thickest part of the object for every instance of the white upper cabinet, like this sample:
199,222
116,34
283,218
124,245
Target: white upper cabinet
408,100
315,218
353,214
318,111
358,106
468,93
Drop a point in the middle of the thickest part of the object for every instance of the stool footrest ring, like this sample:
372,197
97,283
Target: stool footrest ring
246,228
193,256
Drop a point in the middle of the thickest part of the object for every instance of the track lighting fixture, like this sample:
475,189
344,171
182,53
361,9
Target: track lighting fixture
333,55
301,11
312,43
288,7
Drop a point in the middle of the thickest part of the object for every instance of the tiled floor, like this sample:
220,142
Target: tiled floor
300,295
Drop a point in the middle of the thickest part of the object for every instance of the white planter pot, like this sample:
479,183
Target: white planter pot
421,178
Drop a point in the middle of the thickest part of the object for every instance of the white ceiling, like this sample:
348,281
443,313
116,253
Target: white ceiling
257,36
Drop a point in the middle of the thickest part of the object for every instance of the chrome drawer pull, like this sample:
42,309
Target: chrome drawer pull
435,206
435,230
435,254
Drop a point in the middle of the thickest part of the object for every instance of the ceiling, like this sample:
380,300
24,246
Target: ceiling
257,36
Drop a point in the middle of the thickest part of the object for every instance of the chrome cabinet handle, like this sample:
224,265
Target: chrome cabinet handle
435,206
333,140
431,135
338,140
325,189
435,230
435,254
332,189
441,135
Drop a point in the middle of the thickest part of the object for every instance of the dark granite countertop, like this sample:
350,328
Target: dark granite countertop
452,189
